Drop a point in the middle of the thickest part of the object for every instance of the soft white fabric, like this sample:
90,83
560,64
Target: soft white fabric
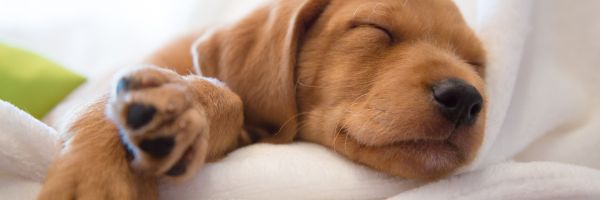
543,78
509,180
27,147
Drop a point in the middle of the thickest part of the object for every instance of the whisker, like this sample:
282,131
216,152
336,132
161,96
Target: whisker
338,131
354,102
346,143
288,121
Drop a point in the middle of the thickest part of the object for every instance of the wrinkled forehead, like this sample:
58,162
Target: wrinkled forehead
410,14
405,7
438,22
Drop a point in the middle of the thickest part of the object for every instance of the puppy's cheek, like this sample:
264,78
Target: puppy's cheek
381,122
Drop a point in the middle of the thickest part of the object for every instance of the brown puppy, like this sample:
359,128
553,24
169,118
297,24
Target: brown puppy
393,84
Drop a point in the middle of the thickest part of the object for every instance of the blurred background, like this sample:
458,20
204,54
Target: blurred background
93,38
88,36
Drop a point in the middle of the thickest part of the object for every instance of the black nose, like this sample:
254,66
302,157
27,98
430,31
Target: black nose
459,101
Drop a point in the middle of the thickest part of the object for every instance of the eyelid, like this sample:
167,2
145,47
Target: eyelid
476,63
377,26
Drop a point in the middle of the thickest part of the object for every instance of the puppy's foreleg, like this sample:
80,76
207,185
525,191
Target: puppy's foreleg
93,164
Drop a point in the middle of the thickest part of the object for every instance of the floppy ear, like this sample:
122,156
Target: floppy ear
257,59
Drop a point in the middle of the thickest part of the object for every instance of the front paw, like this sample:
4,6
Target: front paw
96,180
160,122
92,164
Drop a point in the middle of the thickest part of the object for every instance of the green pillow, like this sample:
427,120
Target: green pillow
33,83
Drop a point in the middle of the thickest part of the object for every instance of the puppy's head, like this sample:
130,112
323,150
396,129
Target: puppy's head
396,85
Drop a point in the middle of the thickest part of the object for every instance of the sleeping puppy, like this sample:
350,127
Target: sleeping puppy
396,85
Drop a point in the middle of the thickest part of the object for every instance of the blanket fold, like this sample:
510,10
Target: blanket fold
512,180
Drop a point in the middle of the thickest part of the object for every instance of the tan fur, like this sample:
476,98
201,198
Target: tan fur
93,164
323,71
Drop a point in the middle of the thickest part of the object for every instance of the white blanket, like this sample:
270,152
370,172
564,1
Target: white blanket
542,141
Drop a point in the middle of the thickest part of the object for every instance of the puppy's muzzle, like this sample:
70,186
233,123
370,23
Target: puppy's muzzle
458,101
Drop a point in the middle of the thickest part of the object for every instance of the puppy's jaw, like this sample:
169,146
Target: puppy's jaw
420,157
405,136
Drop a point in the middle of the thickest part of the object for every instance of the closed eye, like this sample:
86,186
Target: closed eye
476,64
386,31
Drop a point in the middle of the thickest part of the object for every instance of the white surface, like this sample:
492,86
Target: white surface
530,181
543,79
297,171
27,147
91,36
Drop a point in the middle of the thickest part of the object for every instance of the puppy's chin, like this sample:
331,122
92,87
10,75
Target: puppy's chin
419,159
428,150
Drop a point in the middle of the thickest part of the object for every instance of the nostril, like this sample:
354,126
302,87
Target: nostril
159,147
139,115
475,109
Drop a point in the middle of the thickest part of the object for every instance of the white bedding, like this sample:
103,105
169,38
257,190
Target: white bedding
542,142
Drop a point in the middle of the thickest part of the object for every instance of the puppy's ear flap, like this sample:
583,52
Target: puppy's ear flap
257,58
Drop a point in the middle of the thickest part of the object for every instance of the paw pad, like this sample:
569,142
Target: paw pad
138,115
158,148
